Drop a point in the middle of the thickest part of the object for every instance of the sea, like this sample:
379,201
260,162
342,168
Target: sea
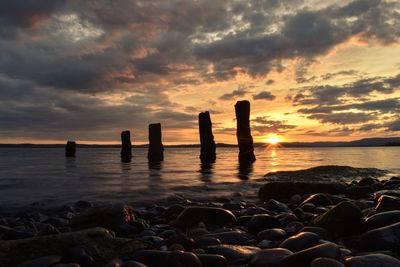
44,176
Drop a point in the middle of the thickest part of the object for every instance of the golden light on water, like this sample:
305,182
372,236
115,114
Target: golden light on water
273,139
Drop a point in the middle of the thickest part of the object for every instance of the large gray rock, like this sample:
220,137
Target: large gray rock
384,238
99,242
109,216
372,260
191,216
280,190
344,219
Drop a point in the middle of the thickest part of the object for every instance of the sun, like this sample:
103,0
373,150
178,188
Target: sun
273,139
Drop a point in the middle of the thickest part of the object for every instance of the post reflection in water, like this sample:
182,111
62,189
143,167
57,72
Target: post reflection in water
244,170
155,169
70,164
206,171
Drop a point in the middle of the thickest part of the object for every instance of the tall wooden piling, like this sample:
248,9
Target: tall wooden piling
207,151
156,148
126,149
243,134
70,149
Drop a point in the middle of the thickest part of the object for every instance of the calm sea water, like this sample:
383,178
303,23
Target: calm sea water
41,175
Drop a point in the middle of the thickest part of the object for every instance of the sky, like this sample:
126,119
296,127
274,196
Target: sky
86,70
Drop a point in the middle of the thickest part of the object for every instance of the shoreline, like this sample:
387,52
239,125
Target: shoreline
287,222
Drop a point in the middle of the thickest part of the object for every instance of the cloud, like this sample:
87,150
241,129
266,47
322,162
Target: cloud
235,93
266,124
264,95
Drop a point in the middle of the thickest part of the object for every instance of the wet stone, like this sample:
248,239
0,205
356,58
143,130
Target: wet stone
372,260
272,234
276,206
212,260
343,219
384,238
318,200
386,203
301,241
233,252
304,258
262,222
269,257
230,237
217,216
132,264
326,262
207,241
382,219
42,262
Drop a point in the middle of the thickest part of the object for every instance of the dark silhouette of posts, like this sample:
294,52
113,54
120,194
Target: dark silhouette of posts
70,149
243,134
126,150
207,151
156,148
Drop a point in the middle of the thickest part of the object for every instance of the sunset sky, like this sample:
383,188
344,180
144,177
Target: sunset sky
85,70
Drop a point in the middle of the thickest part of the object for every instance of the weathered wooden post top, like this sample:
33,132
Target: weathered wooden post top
243,134
126,149
70,149
156,148
207,151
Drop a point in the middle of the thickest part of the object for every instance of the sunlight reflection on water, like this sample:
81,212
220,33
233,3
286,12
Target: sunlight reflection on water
39,174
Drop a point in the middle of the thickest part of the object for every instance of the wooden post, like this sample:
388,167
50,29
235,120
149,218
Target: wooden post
70,149
126,150
207,151
243,134
156,148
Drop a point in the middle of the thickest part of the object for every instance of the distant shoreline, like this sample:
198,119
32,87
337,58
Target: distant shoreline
367,142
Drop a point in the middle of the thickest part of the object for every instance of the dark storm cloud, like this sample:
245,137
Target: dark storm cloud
330,95
264,95
235,93
60,59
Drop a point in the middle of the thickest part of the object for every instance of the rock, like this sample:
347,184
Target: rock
382,219
261,222
82,205
126,146
67,265
395,193
359,192
156,148
367,181
191,216
305,257
230,237
80,255
269,257
132,264
272,234
326,262
233,252
293,228
317,230
329,172
372,260
212,260
276,206
13,234
155,258
243,134
284,190
99,243
204,242
42,262
70,149
384,238
386,202
343,219
301,241
109,216
207,143
318,200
